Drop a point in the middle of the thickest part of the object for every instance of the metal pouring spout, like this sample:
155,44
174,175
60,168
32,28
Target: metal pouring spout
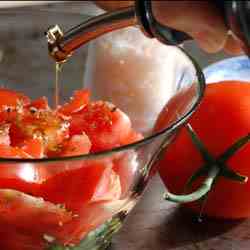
61,46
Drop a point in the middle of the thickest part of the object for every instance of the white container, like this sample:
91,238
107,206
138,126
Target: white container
134,71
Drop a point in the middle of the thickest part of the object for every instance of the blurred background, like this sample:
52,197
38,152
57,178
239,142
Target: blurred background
14,48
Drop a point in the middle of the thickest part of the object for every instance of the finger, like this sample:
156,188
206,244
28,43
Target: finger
199,19
113,5
232,46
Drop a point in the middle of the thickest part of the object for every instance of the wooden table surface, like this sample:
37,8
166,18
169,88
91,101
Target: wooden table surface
156,224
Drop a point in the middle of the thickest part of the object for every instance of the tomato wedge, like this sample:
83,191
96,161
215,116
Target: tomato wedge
132,137
77,103
12,152
19,212
14,239
105,125
74,188
11,102
77,145
126,166
17,208
89,218
10,98
33,147
40,103
4,134
44,125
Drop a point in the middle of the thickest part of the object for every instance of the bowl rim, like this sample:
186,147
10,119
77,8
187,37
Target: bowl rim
166,132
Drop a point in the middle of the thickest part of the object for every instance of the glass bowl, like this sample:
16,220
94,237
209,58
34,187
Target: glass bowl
77,202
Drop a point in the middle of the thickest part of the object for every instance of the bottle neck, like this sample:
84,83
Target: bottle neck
236,14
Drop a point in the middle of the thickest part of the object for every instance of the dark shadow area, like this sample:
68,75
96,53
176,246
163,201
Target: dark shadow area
183,227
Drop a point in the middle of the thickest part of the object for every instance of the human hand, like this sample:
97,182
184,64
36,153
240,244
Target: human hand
199,19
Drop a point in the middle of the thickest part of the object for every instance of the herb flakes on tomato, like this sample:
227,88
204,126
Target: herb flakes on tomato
105,125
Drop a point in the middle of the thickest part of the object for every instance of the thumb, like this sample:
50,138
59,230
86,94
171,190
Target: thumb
113,5
199,19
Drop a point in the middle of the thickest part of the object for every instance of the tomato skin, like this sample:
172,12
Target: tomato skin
220,120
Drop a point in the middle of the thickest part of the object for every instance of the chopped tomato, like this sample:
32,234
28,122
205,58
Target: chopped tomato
14,181
14,239
77,145
16,208
126,166
10,98
74,188
33,147
77,103
109,187
12,152
61,200
20,211
11,102
8,115
105,125
4,134
88,218
40,103
16,134
132,137
44,125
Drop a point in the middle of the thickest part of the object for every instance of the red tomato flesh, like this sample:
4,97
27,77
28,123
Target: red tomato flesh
77,145
87,184
77,103
105,125
10,98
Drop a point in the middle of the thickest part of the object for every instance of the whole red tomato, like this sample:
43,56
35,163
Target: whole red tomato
222,119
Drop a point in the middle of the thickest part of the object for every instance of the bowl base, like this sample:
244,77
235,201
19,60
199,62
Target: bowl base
98,239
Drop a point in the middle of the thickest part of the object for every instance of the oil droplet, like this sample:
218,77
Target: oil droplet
57,83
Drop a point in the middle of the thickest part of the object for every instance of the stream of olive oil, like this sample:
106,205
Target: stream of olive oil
57,84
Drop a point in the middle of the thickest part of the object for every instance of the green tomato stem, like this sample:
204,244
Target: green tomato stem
199,193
